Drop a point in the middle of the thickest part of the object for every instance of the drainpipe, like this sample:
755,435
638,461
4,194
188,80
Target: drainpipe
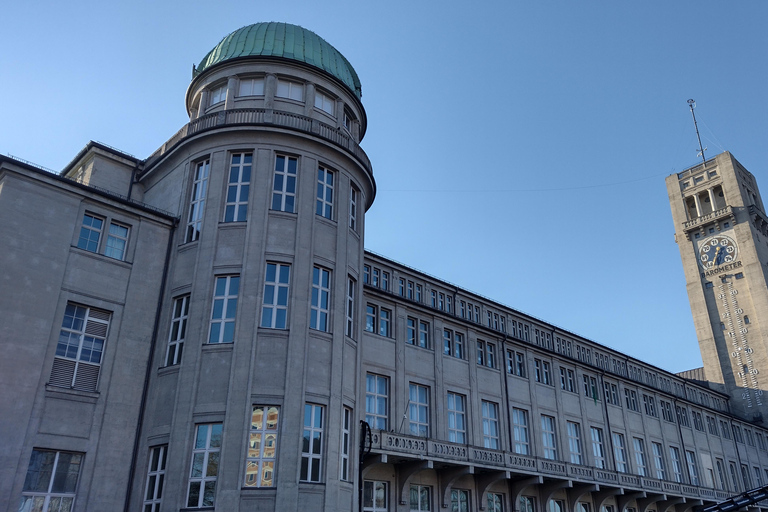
150,362
133,180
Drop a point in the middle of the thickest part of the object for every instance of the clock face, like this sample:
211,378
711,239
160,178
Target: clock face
717,250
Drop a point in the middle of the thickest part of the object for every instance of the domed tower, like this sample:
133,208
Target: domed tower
251,402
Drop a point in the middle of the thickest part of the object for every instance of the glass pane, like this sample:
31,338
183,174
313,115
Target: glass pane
254,445
194,494
213,464
215,435
39,471
197,465
210,490
272,416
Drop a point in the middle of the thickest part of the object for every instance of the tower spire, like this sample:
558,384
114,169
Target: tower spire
692,105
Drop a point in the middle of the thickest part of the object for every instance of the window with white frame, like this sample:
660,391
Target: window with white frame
516,363
417,332
495,502
542,371
677,468
79,349
90,232
690,458
346,431
486,354
274,312
375,496
321,291
51,481
197,201
619,452
350,310
721,474
353,193
378,320
548,437
420,498
527,504
376,401
453,344
457,424
658,461
201,491
520,430
385,280
639,446
324,102
312,446
224,309
630,398
289,89
284,185
459,500
490,413
418,410
217,95
611,393
566,380
324,203
261,456
153,490
574,442
178,330
649,404
598,450
117,240
590,388
238,186
251,87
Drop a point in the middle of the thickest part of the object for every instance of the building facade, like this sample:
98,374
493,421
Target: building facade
202,329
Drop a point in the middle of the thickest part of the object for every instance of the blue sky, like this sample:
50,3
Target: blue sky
520,148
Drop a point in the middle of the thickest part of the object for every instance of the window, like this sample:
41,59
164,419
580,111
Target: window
520,428
51,481
224,309
649,403
712,426
90,233
737,434
748,436
346,430
734,476
574,442
693,471
725,430
490,425
527,504
666,410
619,452
418,293
495,502
385,281
178,330
117,239
153,494
78,351
418,410
409,292
639,446
459,500
556,506
385,328
376,401
434,298
349,120
597,447
366,274
630,397
236,208
353,193
312,446
566,379
758,479
401,286
682,416
284,187
290,90
658,461
197,201
590,388
321,291
350,312
698,424
218,95
274,311
375,496
611,393
453,344
486,354
548,439
324,203
261,457
324,102
677,468
417,333
201,491
251,87
375,279
542,371
515,363
457,426
421,498
721,475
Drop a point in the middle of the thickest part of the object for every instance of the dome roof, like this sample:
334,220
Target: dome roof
286,41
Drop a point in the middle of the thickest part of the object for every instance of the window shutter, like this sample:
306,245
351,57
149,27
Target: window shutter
87,377
62,373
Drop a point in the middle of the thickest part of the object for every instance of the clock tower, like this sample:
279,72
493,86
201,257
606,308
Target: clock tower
722,231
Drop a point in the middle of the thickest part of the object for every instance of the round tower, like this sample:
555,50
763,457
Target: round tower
251,402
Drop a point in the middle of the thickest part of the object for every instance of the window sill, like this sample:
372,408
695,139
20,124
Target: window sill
71,394
232,224
188,246
326,220
165,370
100,257
218,347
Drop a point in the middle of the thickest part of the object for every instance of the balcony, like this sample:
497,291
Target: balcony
722,213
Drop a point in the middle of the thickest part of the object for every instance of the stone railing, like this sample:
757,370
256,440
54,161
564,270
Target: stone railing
430,449
710,217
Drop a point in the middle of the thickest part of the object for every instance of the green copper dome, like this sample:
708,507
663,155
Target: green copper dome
286,41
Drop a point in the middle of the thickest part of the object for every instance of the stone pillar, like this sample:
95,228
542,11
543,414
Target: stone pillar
203,103
229,101
698,204
309,99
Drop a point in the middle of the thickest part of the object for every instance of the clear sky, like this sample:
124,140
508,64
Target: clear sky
520,148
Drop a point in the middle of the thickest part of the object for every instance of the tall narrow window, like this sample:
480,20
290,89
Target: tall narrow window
574,442
457,425
78,351
693,471
490,425
117,239
274,312
548,437
418,410
410,328
677,468
375,496
423,334
658,461
284,187
495,502
262,447
353,193
197,201
639,446
236,209
153,494
460,500
520,428
51,481
201,491
324,206
178,330
385,320
420,498
346,430
90,233
598,452
312,447
721,475
619,452
376,401
224,309
350,327
321,291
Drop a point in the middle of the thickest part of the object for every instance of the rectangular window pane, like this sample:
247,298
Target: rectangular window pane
274,311
197,201
261,455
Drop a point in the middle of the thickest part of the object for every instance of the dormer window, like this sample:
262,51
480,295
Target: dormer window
251,87
290,90
218,95
324,102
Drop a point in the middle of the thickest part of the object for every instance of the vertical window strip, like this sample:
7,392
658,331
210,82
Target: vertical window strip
236,207
376,401
284,186
261,456
350,310
321,291
490,412
324,203
224,309
457,427
274,311
418,410
153,494
197,201
312,446
201,491
178,330
117,240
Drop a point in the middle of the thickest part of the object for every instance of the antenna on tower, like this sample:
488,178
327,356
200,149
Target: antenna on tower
692,104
